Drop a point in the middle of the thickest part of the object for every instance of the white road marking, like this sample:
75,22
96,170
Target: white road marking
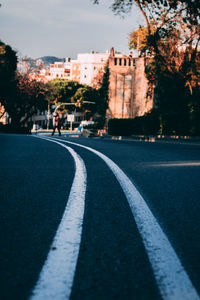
170,275
56,278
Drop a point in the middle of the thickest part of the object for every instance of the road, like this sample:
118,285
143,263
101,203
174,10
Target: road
98,219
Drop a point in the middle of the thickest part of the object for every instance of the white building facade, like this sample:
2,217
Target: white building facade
90,64
60,70
83,69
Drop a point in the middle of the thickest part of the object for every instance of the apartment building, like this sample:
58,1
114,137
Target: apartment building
90,64
60,70
82,70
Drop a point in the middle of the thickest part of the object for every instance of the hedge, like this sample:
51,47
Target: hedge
145,125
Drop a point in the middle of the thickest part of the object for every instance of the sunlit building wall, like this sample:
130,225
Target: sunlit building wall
128,87
90,64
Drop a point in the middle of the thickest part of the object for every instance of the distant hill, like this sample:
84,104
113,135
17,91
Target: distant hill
50,59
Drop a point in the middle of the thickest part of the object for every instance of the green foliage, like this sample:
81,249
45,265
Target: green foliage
150,72
191,7
8,65
104,93
20,95
138,39
87,100
177,107
84,93
98,96
61,90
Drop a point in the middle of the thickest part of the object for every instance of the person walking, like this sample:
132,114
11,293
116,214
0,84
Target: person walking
56,123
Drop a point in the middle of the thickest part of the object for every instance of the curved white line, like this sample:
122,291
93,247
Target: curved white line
56,278
172,279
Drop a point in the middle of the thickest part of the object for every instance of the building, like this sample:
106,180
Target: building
60,70
128,87
82,70
76,70
90,64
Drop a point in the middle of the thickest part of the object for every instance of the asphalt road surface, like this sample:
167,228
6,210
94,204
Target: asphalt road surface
98,219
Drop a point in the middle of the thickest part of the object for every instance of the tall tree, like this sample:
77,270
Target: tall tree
173,39
20,95
166,15
8,66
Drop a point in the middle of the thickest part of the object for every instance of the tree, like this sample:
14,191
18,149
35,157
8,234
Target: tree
104,92
29,98
191,7
8,66
94,101
20,95
86,99
98,79
172,36
138,39
61,90
167,15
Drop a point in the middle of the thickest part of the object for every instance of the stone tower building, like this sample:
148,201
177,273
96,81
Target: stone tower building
128,87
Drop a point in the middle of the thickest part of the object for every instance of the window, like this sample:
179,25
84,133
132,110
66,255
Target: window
115,61
125,61
120,61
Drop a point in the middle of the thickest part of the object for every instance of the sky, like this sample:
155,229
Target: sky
64,28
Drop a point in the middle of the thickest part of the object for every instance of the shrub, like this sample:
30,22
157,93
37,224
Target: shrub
146,125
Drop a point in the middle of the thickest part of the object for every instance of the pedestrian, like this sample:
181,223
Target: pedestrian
56,123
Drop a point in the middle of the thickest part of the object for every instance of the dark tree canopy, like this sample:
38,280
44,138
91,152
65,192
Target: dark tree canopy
8,66
20,95
191,7
61,90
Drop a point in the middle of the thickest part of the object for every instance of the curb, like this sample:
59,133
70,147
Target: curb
175,139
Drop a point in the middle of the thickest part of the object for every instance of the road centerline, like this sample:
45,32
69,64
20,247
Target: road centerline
171,277
56,277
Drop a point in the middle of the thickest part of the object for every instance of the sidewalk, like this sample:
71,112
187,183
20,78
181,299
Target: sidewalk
158,138
152,138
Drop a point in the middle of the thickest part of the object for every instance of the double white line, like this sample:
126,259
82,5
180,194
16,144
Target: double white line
56,278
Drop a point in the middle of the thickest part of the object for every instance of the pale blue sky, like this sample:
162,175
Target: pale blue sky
64,27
